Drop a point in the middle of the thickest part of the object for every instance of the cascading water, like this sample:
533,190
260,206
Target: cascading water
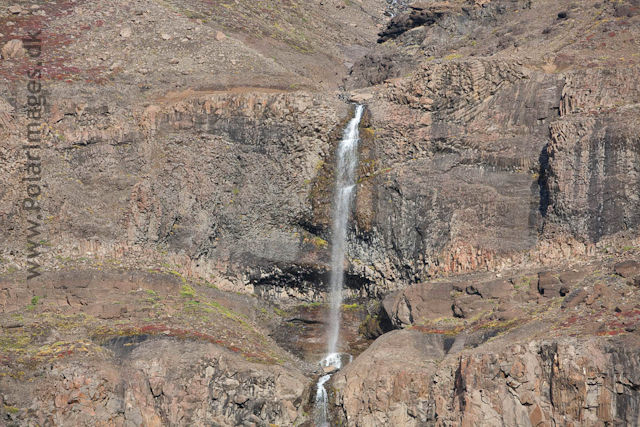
347,161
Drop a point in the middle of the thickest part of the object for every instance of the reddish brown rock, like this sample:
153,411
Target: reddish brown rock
508,311
183,381
419,302
537,383
494,289
403,365
634,281
469,306
572,278
627,268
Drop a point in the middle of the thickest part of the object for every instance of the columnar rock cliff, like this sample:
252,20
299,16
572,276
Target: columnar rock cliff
186,166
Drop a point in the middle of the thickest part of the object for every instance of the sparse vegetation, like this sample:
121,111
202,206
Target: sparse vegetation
279,312
187,292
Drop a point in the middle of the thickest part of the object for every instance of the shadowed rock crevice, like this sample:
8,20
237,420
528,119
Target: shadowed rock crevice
542,182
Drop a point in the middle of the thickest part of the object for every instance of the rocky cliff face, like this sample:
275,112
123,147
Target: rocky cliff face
466,163
469,168
187,168
544,383
526,351
164,382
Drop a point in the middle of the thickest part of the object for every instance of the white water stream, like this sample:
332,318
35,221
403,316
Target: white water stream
347,161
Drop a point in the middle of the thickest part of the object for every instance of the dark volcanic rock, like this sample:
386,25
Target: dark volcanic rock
550,286
575,298
421,14
588,193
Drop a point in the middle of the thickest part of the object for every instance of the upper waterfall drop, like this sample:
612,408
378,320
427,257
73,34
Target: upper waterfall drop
347,161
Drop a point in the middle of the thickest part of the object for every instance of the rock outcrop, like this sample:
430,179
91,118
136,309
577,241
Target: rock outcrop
584,382
126,348
419,302
421,14
167,382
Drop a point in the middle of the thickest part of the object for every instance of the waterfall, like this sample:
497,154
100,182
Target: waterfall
321,402
347,161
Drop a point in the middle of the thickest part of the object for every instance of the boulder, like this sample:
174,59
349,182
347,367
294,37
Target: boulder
524,297
508,311
575,298
420,301
494,289
361,97
13,49
634,281
469,306
600,291
627,268
328,369
550,285
571,278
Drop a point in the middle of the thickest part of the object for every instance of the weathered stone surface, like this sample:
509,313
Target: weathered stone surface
575,298
498,135
304,327
419,302
576,382
508,311
494,289
177,382
571,278
404,365
549,285
125,33
597,185
13,49
459,170
627,268
421,14
471,305
634,281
